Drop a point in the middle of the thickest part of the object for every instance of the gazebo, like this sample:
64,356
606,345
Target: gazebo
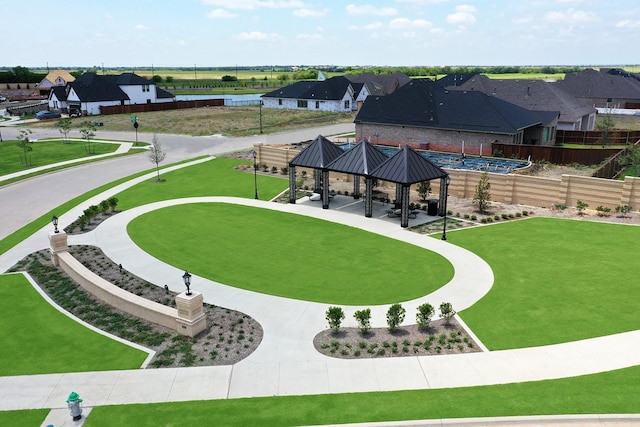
404,168
360,161
317,156
408,167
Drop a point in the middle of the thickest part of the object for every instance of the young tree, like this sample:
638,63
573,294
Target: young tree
335,316
88,131
64,126
631,158
395,316
25,144
605,125
581,206
424,315
363,317
423,189
447,311
156,155
482,198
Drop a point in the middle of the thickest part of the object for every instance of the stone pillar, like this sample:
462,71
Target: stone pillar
57,243
191,319
292,184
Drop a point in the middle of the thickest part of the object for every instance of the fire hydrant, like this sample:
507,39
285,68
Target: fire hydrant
73,402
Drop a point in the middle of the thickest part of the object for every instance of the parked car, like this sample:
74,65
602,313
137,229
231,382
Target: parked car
2,98
44,115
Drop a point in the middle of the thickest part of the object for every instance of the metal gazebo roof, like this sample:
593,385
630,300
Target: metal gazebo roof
318,154
408,167
363,158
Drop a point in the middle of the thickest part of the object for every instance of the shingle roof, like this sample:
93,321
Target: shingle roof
380,84
132,79
590,83
161,93
407,166
91,87
60,93
318,154
53,75
537,95
455,79
423,103
329,90
359,160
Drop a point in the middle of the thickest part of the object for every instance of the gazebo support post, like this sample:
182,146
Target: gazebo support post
356,187
317,178
398,202
292,184
368,199
404,197
443,197
325,189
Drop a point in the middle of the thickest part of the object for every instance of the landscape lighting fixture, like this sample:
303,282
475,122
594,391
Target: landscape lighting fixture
54,220
187,281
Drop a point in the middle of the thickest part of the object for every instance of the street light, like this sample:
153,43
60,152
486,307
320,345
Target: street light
255,173
54,220
447,180
187,281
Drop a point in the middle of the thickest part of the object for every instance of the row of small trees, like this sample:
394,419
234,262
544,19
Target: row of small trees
395,316
93,211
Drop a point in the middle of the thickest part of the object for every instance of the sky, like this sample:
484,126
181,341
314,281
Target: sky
212,33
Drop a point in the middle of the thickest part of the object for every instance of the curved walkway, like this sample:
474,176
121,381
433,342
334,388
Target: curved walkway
285,362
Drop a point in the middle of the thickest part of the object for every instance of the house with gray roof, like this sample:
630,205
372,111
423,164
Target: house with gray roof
91,91
423,113
380,84
537,95
336,94
603,89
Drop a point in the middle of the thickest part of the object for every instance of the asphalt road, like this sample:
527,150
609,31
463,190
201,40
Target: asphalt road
24,201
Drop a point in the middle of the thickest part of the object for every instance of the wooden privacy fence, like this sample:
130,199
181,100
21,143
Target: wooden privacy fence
162,106
616,137
555,155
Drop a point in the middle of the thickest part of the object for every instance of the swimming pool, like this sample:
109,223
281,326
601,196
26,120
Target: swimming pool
458,161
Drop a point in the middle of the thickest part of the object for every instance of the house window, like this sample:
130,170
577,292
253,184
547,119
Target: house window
317,105
145,88
302,103
279,101
347,104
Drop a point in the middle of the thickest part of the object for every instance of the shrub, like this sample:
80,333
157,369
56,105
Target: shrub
113,203
525,213
623,210
395,316
603,211
518,215
466,216
581,206
449,212
496,217
274,169
447,311
489,219
473,217
335,316
104,206
284,170
425,312
363,317
504,216
483,220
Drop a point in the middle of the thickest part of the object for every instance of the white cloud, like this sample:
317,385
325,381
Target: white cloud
627,23
570,16
522,20
309,37
405,24
257,36
422,1
463,15
367,9
368,27
141,27
310,13
255,4
569,1
221,14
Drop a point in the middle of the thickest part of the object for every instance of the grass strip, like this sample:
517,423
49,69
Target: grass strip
604,393
27,417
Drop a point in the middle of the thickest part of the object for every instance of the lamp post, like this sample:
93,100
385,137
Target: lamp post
187,281
447,180
255,173
54,220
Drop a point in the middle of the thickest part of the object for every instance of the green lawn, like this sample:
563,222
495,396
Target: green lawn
46,152
29,417
606,393
38,339
555,281
289,255
214,178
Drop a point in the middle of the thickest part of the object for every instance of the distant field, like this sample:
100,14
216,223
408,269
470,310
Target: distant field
228,121
526,76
